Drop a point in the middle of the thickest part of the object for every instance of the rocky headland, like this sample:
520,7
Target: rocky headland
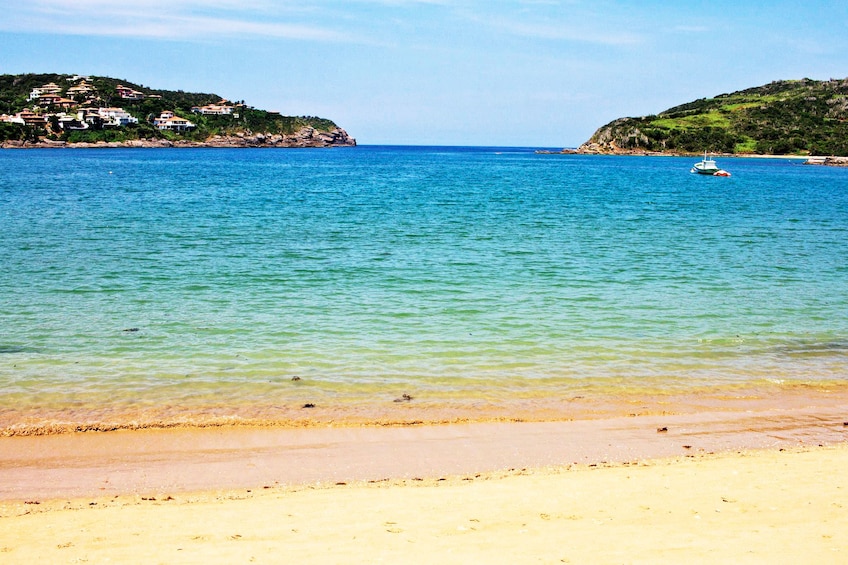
62,110
303,138
787,118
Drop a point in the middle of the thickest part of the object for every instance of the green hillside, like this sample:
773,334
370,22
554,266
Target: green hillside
16,97
803,117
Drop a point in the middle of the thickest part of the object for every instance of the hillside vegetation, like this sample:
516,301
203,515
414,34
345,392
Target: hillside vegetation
145,106
803,117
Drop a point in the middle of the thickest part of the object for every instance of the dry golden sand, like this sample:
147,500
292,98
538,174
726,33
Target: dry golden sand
761,506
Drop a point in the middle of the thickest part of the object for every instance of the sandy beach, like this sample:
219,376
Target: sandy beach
755,486
750,507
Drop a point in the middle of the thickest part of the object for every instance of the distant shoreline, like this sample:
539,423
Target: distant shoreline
166,145
832,161
234,142
148,145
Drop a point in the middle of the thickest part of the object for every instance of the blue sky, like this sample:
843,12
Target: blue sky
534,73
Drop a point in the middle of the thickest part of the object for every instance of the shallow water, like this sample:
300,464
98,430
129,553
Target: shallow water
188,285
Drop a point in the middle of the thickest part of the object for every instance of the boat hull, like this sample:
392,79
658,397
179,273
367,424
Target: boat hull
705,169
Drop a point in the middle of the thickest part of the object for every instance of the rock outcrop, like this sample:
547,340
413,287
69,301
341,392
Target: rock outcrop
610,139
305,137
828,161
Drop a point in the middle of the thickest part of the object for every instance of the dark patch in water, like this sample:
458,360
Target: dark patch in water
815,348
13,349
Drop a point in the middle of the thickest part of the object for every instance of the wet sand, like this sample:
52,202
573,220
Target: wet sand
401,406
162,462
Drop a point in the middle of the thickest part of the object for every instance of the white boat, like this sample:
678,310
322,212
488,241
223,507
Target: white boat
707,166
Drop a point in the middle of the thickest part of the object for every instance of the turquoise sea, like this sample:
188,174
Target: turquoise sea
145,286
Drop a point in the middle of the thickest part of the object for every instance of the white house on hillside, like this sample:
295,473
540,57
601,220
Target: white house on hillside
116,117
213,110
49,88
81,89
171,122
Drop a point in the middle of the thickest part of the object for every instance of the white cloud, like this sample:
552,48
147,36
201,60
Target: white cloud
168,19
694,28
566,33
572,28
291,19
